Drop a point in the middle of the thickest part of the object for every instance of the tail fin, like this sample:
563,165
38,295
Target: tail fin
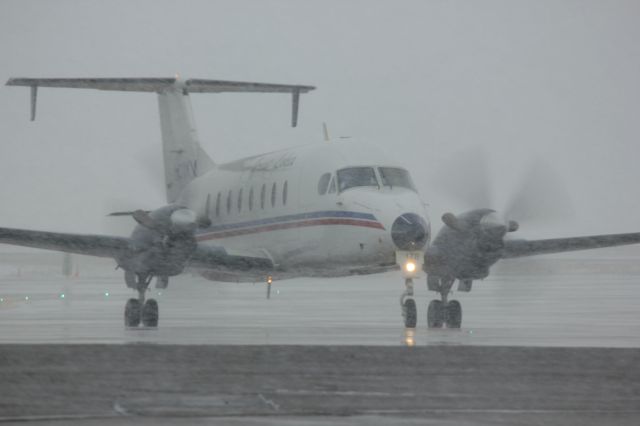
184,159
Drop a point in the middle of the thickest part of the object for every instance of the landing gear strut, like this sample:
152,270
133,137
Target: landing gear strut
408,305
138,310
443,312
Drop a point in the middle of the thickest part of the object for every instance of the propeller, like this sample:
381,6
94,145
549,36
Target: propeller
540,199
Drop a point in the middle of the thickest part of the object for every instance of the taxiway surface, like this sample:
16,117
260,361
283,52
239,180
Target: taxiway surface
548,341
538,302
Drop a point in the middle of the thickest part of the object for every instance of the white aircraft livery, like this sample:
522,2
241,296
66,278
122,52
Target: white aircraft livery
330,209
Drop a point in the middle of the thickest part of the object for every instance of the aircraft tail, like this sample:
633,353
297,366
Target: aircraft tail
184,158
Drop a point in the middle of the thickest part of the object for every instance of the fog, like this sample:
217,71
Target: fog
530,80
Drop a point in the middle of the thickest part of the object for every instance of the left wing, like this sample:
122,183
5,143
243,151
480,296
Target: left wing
93,245
520,248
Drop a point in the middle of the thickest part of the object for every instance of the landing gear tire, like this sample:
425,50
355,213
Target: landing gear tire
453,314
410,313
150,313
132,312
435,314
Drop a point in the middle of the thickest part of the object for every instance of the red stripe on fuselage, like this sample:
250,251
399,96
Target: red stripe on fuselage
290,225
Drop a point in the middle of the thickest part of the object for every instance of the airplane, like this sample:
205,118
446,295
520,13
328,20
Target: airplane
332,209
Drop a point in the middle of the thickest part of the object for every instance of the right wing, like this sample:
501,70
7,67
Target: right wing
93,245
205,256
214,257
520,248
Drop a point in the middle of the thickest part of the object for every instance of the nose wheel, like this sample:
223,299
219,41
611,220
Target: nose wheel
409,313
408,305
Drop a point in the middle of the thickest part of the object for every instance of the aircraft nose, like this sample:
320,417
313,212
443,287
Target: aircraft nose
409,232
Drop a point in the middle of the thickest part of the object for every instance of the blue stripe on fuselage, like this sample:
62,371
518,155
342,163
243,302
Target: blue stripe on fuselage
289,218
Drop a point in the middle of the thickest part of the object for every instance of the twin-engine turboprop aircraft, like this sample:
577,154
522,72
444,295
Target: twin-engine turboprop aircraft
329,209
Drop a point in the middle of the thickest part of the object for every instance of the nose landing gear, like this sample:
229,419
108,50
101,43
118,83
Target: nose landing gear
138,310
408,305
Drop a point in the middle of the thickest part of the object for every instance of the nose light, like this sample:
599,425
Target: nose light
409,232
410,266
410,262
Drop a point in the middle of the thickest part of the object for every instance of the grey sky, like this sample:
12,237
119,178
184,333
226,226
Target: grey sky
525,79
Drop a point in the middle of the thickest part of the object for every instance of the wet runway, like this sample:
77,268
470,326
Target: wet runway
544,341
537,302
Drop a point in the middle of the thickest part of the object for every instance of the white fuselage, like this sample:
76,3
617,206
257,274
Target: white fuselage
281,204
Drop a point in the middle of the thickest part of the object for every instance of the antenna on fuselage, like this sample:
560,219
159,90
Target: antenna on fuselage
325,131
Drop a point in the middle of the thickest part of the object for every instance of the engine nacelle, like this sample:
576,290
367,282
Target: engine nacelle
162,243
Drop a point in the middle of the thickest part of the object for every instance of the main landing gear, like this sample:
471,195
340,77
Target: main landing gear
443,312
138,310
440,313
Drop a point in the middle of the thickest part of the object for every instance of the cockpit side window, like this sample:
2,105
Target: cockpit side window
323,183
393,176
356,176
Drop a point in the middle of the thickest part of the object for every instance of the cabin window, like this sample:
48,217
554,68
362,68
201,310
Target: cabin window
332,186
356,177
229,202
263,194
240,200
285,189
251,199
323,183
273,195
393,176
218,204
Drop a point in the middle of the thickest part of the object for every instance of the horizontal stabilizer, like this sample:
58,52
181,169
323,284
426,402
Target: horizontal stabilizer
119,84
160,85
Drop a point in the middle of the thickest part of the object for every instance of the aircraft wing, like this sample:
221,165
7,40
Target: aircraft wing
207,256
520,248
93,245
119,247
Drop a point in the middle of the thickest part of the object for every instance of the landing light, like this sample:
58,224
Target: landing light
61,295
409,336
410,266
106,294
410,263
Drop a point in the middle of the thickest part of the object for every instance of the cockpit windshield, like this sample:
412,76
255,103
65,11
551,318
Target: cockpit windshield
392,176
356,176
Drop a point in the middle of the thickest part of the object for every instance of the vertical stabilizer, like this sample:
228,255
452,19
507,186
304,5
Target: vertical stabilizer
184,159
